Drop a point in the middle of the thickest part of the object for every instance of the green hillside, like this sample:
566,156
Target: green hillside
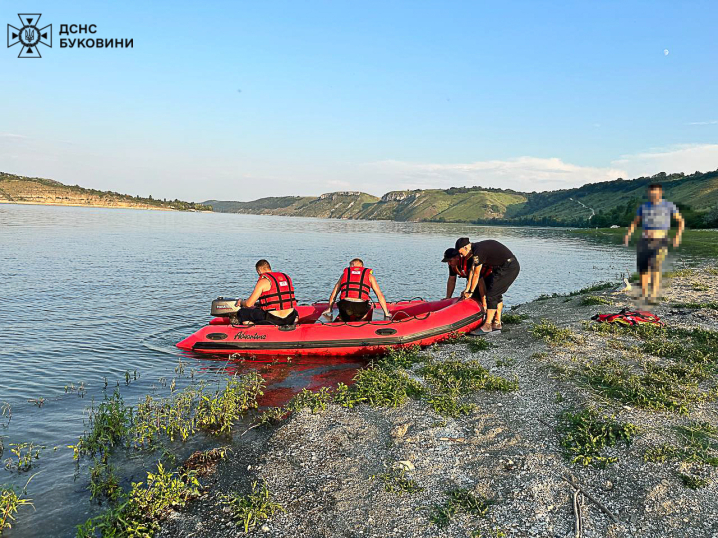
451,205
34,190
335,205
592,205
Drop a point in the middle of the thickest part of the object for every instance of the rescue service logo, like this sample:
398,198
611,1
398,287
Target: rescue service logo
79,36
29,36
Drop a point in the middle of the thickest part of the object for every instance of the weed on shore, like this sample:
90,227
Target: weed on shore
513,319
251,509
395,481
654,387
551,333
459,500
586,433
594,300
139,513
10,502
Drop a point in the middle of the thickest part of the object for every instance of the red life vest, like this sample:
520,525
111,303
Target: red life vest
280,295
355,283
462,269
629,317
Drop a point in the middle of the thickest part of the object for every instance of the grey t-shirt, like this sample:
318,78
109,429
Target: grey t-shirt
657,216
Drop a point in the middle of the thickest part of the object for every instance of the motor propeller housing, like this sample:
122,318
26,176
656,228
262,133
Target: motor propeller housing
222,306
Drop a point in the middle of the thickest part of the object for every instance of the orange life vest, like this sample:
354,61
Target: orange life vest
280,295
355,283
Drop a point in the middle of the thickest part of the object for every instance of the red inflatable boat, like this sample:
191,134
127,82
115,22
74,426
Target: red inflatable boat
412,323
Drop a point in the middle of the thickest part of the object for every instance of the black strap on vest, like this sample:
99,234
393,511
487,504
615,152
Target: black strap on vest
357,287
280,297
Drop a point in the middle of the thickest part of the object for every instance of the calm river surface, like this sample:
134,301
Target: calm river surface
89,296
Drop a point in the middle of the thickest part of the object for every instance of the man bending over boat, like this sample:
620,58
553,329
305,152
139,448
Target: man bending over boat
353,288
273,296
504,270
460,266
655,217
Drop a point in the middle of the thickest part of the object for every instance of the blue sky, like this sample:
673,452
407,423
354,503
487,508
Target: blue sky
237,100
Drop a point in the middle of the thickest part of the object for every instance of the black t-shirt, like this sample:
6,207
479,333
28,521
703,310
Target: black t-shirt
490,252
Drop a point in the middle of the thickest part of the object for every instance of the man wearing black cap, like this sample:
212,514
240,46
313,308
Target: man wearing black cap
505,268
462,267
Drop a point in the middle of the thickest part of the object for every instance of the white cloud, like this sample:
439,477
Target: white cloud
522,174
685,158
12,135
712,122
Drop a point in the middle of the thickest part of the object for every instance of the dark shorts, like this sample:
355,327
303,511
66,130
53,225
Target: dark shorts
262,317
354,310
650,253
498,282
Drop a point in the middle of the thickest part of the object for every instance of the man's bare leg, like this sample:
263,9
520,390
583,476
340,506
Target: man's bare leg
656,283
497,320
645,281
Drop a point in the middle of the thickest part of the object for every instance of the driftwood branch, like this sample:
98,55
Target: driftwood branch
574,483
578,524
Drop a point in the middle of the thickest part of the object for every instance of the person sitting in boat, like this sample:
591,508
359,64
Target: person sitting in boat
460,266
353,288
504,269
272,300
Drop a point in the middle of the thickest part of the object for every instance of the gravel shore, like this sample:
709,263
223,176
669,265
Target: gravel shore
321,467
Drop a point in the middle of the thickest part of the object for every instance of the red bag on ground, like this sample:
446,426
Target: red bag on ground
629,318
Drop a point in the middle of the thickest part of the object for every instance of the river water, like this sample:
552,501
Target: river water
92,297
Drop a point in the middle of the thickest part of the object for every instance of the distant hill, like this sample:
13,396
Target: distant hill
334,205
594,204
33,190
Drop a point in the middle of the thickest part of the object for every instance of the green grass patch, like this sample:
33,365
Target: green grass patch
551,333
405,357
10,502
457,377
395,481
654,388
252,509
139,513
586,433
380,387
25,456
680,273
513,319
478,344
698,306
593,300
697,443
693,482
459,500
193,409
601,286
104,483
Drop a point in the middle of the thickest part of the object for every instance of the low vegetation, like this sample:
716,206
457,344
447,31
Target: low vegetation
10,502
25,456
651,387
586,433
395,481
552,334
459,500
251,509
594,300
513,319
139,513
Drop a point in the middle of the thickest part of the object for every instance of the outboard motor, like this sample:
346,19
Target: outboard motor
226,308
